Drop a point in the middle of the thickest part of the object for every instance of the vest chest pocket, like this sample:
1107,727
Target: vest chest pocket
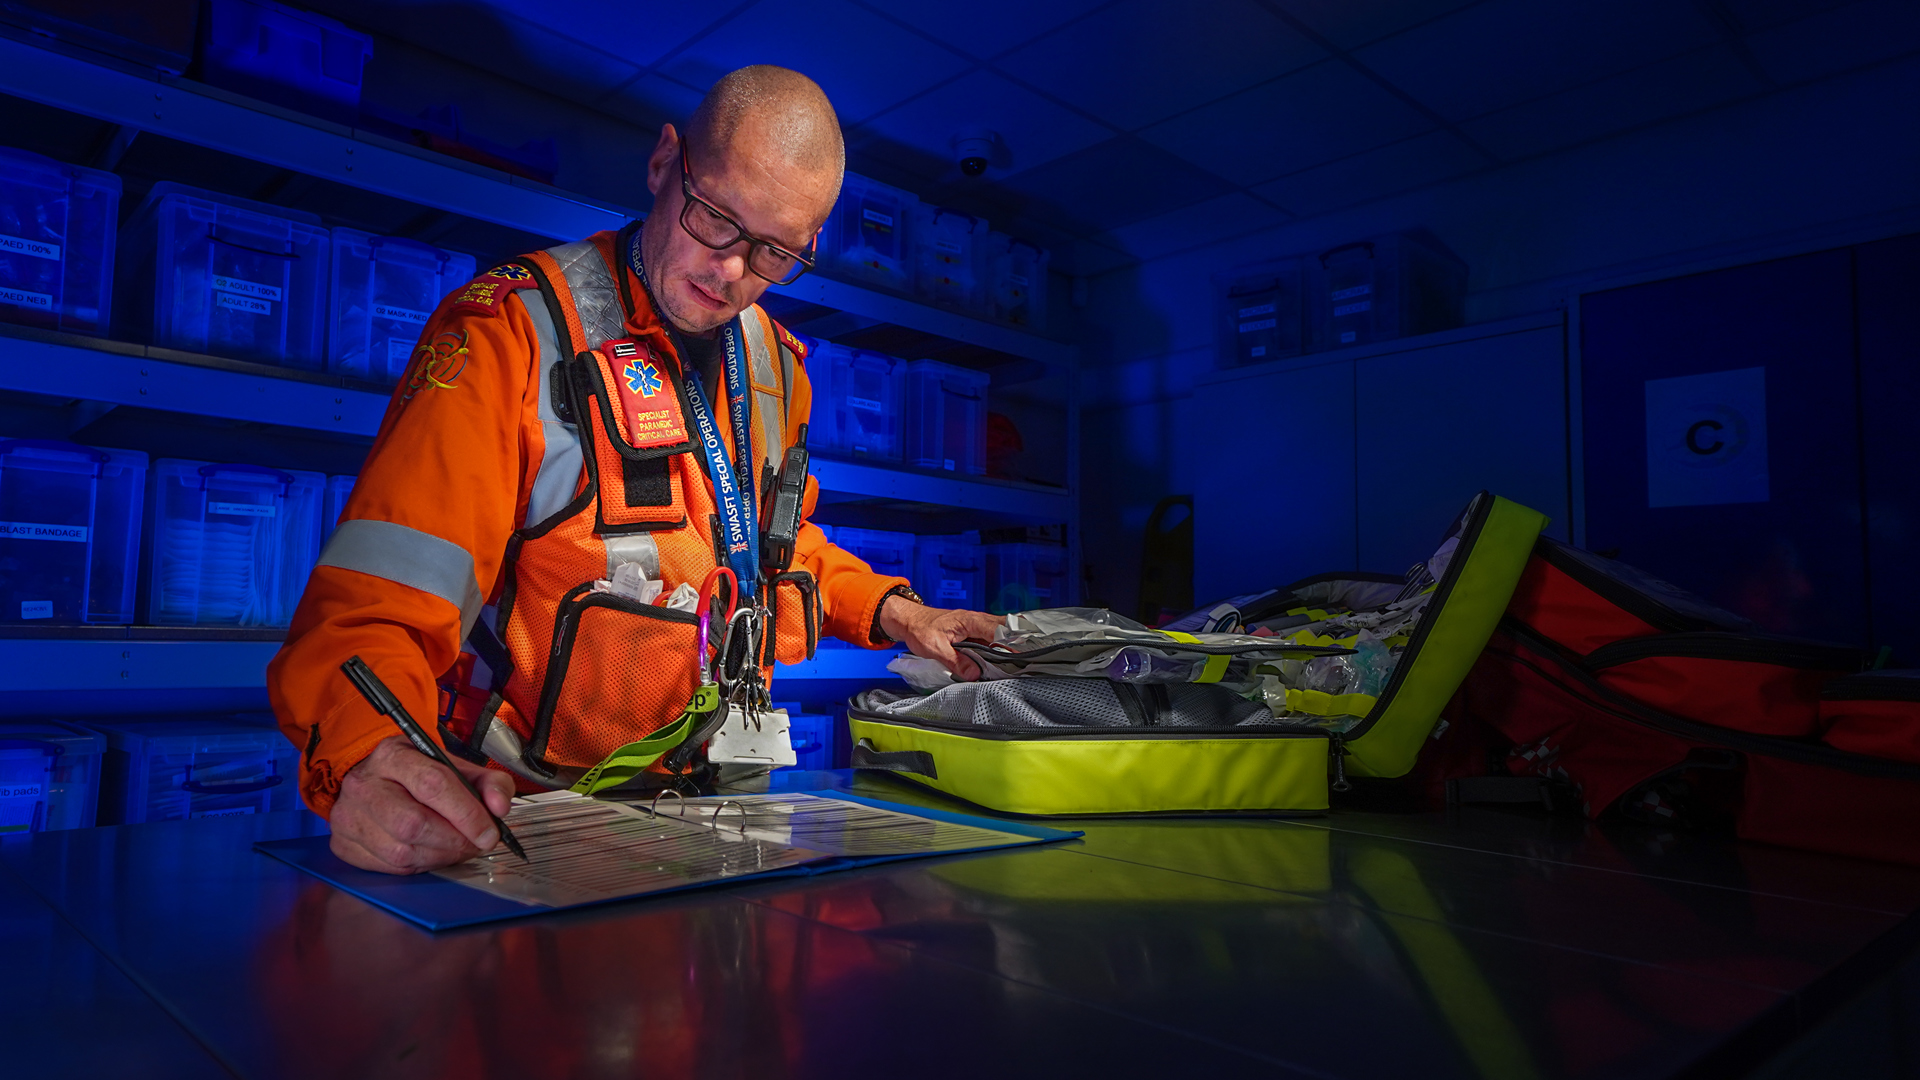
619,670
639,434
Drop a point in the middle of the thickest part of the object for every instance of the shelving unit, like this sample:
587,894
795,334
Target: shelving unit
412,192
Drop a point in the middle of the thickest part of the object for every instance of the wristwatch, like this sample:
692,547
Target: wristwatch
877,634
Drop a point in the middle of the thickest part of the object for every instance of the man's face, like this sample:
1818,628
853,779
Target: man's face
699,288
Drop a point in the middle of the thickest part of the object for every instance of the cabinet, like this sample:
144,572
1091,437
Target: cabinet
60,386
1360,461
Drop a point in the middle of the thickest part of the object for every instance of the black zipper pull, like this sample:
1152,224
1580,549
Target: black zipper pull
1337,746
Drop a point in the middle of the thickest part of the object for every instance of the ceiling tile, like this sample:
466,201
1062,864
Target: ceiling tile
1140,61
1114,183
987,28
865,63
653,100
1673,87
1350,25
1838,40
1503,52
619,29
1403,166
1325,112
1034,129
1230,215
1754,15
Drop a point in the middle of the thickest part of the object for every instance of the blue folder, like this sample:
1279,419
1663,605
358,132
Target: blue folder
439,904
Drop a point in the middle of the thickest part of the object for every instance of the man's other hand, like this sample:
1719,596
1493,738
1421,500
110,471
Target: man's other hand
931,632
401,812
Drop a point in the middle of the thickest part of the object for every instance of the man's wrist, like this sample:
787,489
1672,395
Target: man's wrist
881,633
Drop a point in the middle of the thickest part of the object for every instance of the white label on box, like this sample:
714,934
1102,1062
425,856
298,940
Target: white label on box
23,298
951,590
242,303
399,314
20,245
1257,350
1348,337
1352,309
234,811
878,218
254,510
1348,294
947,463
1258,324
21,791
29,530
1018,279
36,609
864,404
947,246
1257,309
239,287
1707,439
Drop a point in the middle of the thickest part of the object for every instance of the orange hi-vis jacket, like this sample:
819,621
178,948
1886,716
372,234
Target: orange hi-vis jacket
541,440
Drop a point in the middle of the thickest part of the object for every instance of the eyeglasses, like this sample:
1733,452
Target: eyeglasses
705,223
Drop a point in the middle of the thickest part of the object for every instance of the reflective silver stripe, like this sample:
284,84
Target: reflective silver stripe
409,557
596,296
560,466
771,408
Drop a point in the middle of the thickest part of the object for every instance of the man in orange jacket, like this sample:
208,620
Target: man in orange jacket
573,419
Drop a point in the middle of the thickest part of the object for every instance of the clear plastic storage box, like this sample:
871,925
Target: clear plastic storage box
857,402
951,572
1021,577
889,553
949,256
384,289
866,237
1388,287
812,736
57,225
69,531
287,56
232,544
946,417
49,776
1263,314
212,274
333,504
1016,281
214,766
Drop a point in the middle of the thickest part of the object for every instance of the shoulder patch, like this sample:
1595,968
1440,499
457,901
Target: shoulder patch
790,340
482,295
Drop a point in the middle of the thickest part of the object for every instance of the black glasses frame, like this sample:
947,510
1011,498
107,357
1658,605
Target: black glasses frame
802,263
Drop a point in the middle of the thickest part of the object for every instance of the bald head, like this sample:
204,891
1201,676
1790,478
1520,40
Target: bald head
772,112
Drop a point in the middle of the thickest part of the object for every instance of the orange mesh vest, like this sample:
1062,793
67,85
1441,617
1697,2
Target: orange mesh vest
557,675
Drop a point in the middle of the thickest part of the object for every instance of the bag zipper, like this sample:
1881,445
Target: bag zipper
998,734
1873,686
1648,609
1724,645
1599,696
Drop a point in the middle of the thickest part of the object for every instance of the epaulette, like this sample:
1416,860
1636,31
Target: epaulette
482,295
792,342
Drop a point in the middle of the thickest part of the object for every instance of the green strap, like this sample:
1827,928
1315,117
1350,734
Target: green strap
1216,666
632,759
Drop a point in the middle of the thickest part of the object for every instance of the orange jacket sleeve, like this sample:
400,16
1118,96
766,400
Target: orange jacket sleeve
850,592
444,476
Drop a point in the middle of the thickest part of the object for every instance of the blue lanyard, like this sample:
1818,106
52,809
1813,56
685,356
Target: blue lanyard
732,491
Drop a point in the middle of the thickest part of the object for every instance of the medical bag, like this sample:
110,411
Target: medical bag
1558,721
1874,712
1061,745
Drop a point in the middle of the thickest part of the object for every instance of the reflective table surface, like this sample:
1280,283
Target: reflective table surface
1481,943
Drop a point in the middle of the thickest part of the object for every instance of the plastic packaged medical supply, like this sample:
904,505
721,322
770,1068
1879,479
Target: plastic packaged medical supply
946,417
209,273
57,229
384,290
69,531
232,544
49,776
